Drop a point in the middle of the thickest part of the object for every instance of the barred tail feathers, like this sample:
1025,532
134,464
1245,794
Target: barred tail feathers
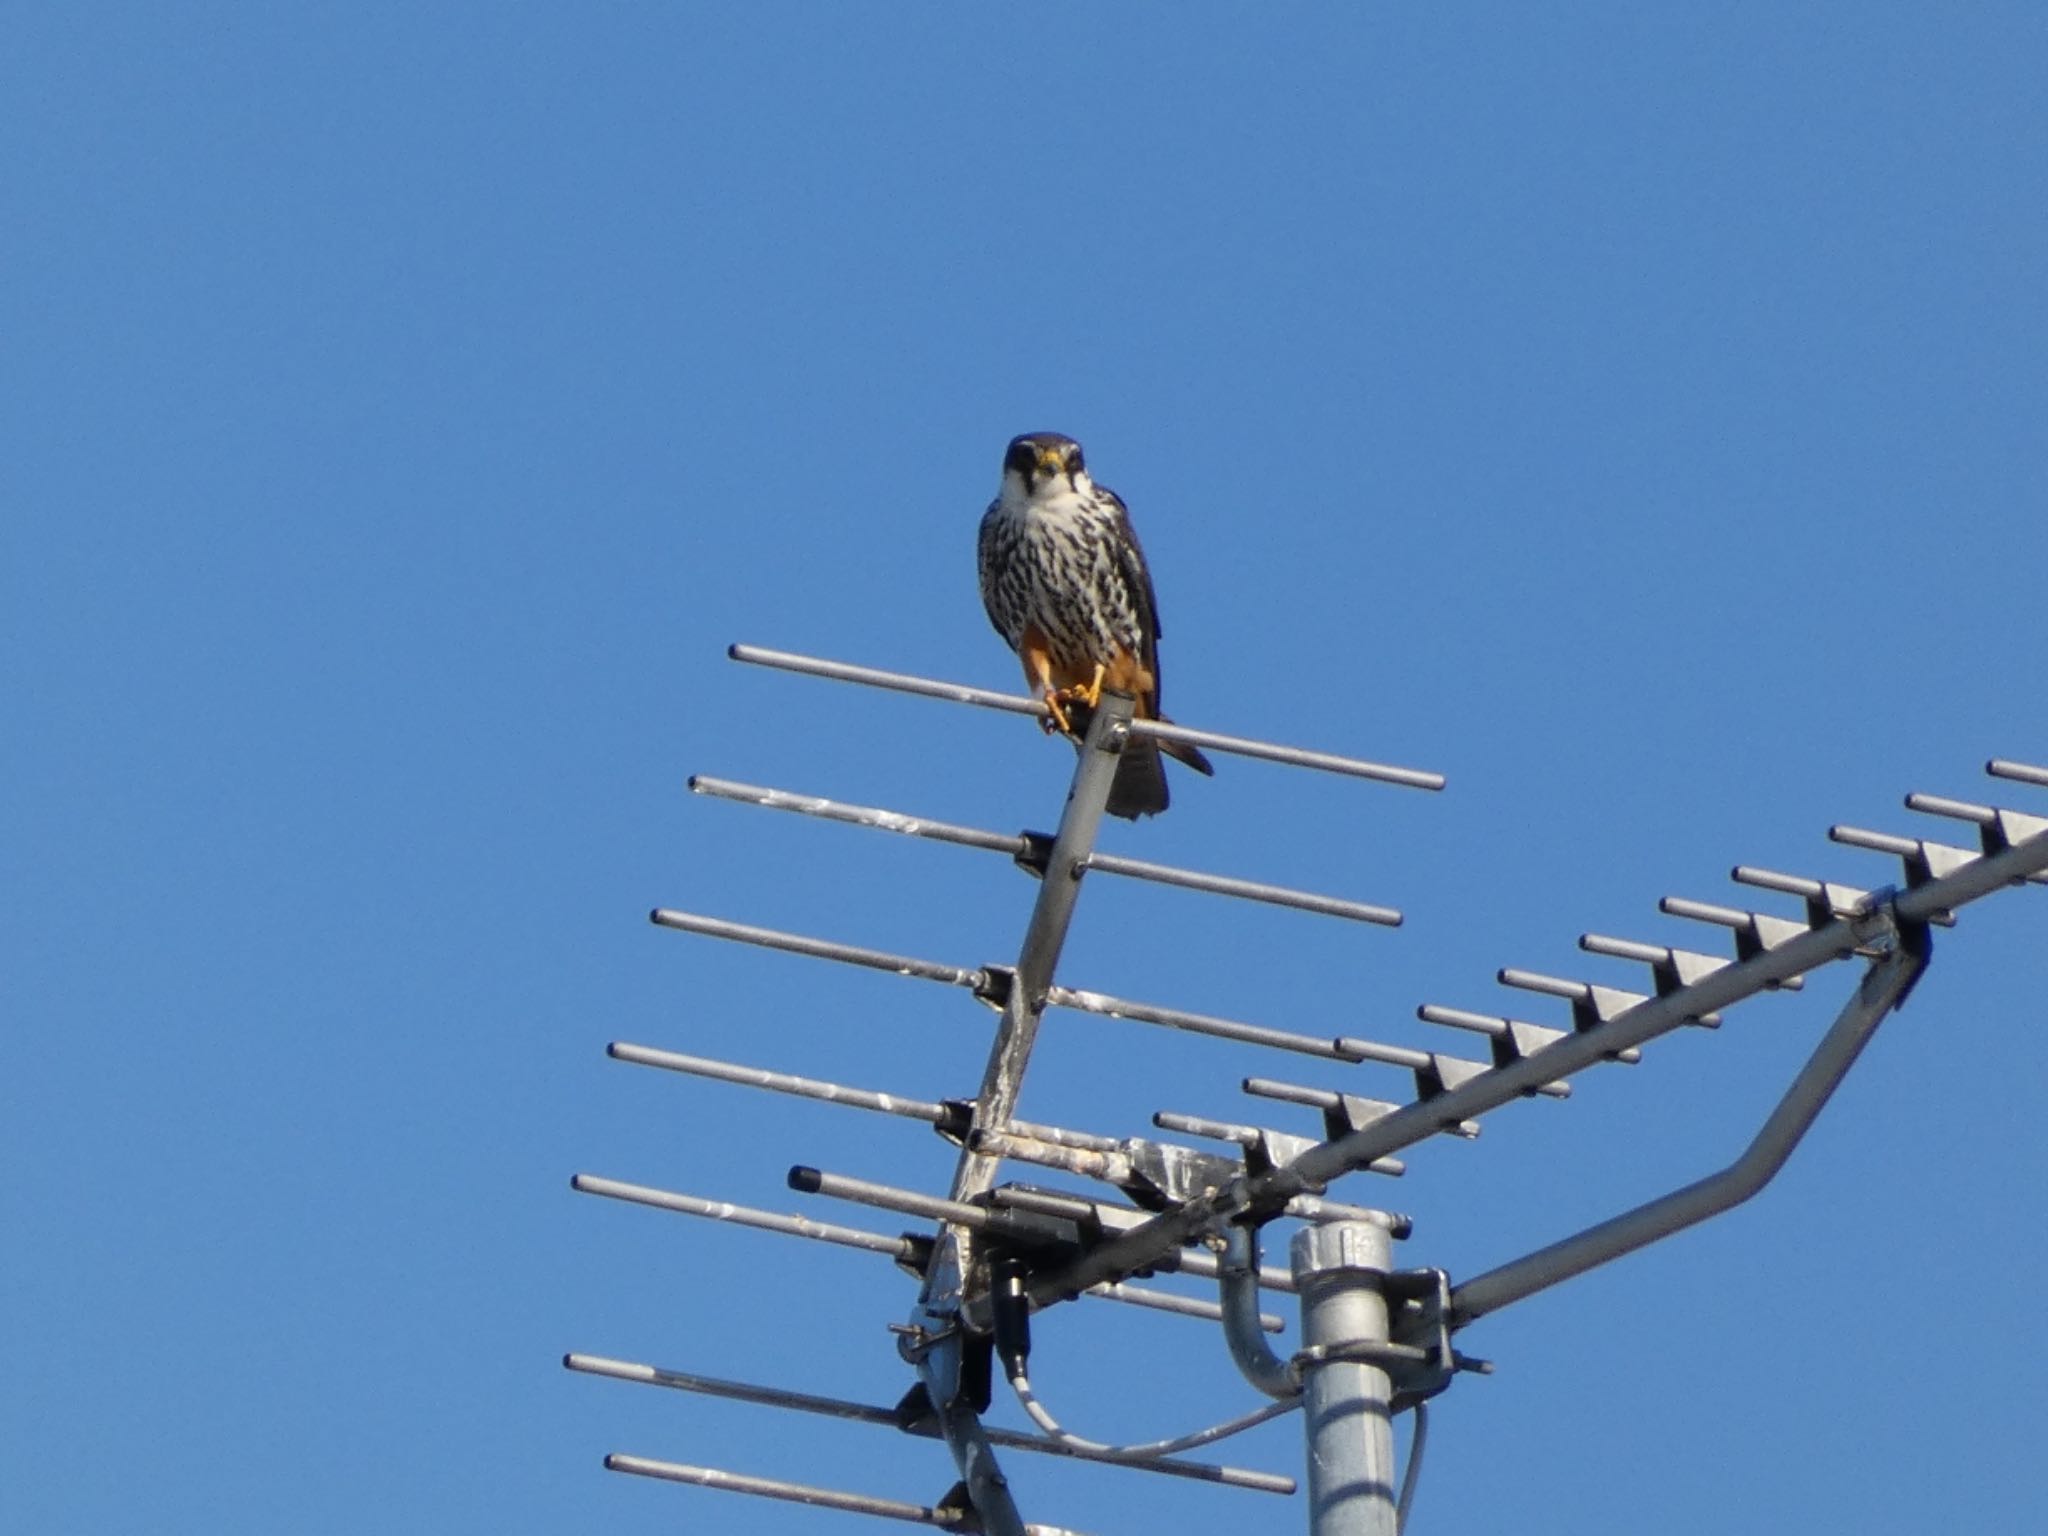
1139,788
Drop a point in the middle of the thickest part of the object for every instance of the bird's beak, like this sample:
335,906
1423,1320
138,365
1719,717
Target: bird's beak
1051,462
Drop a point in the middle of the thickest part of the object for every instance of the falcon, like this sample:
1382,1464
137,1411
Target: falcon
1066,587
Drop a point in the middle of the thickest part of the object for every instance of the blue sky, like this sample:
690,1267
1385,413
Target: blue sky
1636,415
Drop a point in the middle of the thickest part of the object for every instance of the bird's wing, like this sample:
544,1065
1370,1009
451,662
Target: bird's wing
988,554
1130,560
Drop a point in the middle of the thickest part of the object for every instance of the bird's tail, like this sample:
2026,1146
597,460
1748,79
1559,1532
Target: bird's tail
1139,788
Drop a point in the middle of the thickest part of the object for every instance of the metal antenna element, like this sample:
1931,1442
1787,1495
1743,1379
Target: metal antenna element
1376,1340
865,1413
1031,848
1242,746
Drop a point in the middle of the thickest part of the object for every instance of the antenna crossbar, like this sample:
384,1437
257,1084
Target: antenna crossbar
969,977
1246,890
1293,757
1029,850
947,1117
910,1252
1512,1038
868,1413
992,983
1330,1048
1016,1226
1824,899
1341,1111
984,698
1672,967
927,1110
946,1518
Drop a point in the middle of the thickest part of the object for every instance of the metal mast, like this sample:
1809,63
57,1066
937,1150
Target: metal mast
1377,1339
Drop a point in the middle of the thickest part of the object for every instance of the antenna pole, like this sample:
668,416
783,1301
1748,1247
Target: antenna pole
1341,1270
937,1343
1058,890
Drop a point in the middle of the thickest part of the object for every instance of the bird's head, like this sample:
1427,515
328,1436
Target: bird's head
1043,463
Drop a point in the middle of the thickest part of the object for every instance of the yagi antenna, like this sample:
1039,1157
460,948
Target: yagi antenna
1376,1340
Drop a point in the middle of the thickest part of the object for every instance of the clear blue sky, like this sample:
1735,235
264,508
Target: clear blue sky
1638,416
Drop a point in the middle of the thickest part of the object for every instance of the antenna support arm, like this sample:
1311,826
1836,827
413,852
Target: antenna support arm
1883,987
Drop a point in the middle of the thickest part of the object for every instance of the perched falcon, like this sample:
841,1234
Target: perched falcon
1065,585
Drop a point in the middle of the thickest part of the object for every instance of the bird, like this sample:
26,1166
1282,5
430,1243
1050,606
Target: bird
1065,585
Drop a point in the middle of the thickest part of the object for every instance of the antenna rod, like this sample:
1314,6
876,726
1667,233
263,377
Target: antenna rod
961,693
946,1519
874,677
904,1250
1025,848
2019,773
909,1252
867,1413
1247,890
1293,757
820,949
779,1082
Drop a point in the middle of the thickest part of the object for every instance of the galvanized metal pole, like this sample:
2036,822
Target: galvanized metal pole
1341,1269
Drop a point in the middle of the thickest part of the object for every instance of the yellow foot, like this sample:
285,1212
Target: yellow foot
1089,693
1055,700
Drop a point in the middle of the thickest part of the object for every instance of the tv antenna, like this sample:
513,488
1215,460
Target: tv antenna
1377,1340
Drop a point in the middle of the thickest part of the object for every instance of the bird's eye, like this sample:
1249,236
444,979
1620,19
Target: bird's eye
1020,459
1074,464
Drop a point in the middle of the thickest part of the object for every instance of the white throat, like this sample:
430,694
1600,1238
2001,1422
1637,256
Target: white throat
1053,494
